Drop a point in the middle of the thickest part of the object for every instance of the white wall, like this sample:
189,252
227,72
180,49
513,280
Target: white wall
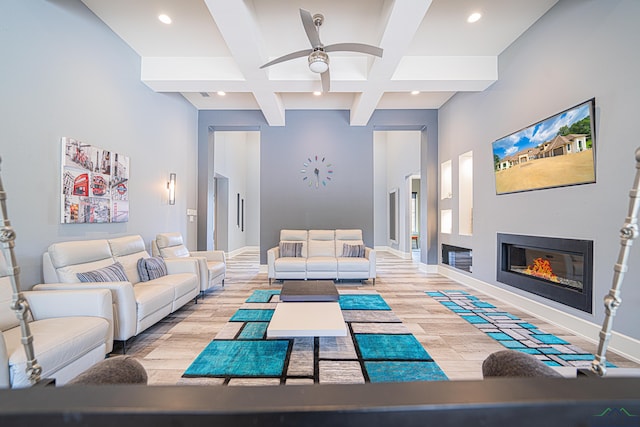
65,73
578,50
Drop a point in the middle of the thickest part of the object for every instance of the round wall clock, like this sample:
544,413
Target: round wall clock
316,172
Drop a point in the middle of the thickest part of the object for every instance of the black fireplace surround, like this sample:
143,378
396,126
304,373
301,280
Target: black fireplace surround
570,259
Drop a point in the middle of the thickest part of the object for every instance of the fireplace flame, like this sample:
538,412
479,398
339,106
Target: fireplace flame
542,268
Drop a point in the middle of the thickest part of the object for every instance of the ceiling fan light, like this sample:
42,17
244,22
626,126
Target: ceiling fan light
474,17
165,19
318,61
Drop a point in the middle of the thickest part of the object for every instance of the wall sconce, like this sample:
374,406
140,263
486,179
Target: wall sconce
171,185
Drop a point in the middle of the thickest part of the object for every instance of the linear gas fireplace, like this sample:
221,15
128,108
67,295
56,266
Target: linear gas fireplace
557,269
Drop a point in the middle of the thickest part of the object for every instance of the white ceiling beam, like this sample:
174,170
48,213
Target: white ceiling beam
404,20
439,73
447,68
239,29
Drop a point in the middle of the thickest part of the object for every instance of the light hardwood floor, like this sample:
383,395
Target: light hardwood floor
168,348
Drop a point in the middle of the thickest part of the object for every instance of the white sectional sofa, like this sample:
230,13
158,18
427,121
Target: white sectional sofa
212,264
321,254
136,304
71,330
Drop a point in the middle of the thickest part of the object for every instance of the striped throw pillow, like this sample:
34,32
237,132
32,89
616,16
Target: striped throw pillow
352,251
151,268
113,273
290,249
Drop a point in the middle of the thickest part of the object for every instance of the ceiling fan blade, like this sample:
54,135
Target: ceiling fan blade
294,55
326,81
310,28
354,47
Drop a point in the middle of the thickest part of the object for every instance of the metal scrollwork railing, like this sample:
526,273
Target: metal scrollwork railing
613,300
19,304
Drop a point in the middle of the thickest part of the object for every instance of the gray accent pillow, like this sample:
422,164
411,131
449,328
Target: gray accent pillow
151,268
352,251
290,249
113,273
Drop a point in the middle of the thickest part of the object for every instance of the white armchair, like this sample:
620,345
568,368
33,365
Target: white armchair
72,331
212,264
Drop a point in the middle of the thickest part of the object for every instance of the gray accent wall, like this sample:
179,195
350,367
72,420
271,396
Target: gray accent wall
578,50
286,201
65,73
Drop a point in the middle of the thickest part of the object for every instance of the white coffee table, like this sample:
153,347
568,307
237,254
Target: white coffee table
307,319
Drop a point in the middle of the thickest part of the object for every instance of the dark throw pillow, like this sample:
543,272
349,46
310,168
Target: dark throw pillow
113,273
151,268
290,249
352,251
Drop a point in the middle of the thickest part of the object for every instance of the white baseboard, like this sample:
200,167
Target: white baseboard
242,250
624,345
399,254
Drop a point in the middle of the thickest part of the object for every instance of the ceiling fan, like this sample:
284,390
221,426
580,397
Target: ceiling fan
317,55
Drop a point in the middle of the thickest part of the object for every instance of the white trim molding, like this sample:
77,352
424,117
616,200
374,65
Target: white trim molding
622,344
242,250
396,252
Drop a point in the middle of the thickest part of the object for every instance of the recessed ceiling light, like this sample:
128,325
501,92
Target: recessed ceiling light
165,19
221,93
474,17
415,92
317,93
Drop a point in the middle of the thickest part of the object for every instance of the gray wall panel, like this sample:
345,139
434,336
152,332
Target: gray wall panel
286,201
578,50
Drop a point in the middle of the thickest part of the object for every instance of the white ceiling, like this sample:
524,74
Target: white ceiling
219,45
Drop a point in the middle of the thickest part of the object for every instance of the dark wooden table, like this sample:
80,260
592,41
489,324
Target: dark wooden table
309,291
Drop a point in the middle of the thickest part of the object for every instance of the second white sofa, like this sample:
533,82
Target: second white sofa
321,254
212,264
136,304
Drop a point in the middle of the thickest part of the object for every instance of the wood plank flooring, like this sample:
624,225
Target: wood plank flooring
168,348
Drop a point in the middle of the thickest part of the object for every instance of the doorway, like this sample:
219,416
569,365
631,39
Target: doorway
397,164
236,210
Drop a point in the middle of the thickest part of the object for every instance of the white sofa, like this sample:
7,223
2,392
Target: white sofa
71,330
136,305
321,256
212,264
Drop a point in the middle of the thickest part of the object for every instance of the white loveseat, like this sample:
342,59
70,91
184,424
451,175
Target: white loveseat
71,330
212,264
136,304
321,256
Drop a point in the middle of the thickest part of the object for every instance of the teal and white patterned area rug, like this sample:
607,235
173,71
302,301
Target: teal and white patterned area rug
377,348
512,332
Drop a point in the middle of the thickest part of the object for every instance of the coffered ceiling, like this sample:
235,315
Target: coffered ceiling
216,46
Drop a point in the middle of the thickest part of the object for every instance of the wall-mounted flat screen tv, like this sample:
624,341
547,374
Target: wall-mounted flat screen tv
555,152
